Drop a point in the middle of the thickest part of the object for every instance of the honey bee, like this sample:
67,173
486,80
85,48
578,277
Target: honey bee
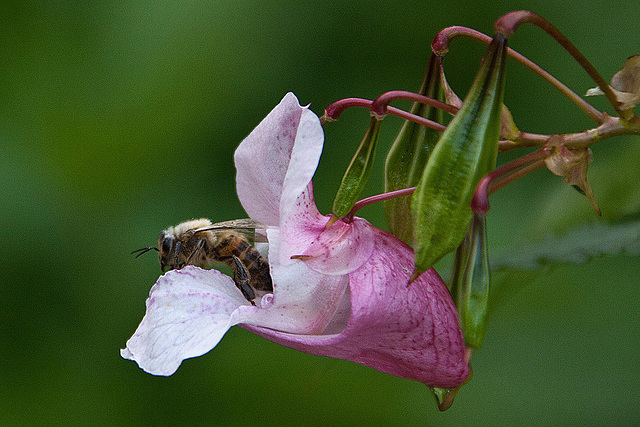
199,242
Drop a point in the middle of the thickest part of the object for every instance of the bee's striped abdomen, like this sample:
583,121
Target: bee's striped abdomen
233,243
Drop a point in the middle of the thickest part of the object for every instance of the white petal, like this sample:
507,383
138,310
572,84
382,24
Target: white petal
271,172
305,156
188,312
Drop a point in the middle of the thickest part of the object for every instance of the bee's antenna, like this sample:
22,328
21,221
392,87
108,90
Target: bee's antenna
144,250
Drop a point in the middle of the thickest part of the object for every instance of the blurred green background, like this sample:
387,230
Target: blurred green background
120,118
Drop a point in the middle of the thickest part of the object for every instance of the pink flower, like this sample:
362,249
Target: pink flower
348,297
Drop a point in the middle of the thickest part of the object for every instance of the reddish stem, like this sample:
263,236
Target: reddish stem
375,199
498,184
440,46
509,22
513,170
492,182
380,104
333,111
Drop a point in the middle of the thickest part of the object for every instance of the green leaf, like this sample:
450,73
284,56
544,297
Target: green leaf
518,268
577,246
409,153
466,152
357,174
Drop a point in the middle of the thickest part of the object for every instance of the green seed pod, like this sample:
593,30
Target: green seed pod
465,152
409,154
470,283
358,172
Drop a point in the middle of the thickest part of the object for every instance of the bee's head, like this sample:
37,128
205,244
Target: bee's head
167,251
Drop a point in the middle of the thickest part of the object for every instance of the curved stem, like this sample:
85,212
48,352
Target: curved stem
513,170
380,104
333,111
509,22
440,46
374,199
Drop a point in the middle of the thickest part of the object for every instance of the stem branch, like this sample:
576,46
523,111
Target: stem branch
440,46
509,22
610,127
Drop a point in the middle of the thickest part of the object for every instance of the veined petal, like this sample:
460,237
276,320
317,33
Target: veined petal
188,312
410,331
299,228
276,162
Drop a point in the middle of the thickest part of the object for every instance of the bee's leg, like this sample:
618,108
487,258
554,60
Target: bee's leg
241,278
176,254
199,246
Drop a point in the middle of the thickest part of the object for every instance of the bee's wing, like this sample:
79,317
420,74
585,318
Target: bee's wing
260,235
254,230
235,224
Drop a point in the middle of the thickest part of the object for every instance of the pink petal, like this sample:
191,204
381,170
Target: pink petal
188,312
276,162
341,248
300,227
337,250
407,331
